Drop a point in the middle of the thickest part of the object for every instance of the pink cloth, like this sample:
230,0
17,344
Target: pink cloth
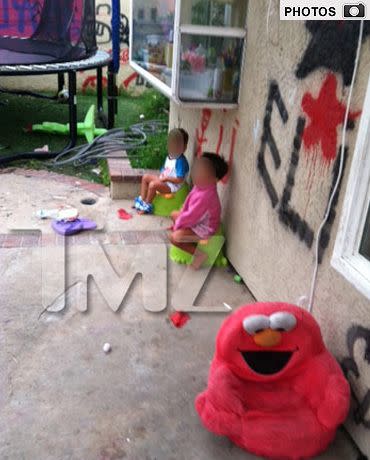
201,212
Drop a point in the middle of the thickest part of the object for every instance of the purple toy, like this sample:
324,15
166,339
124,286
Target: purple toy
71,228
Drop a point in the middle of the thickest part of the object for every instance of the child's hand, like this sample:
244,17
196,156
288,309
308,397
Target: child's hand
163,178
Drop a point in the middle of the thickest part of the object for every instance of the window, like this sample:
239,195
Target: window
352,248
153,14
152,42
192,50
141,14
209,68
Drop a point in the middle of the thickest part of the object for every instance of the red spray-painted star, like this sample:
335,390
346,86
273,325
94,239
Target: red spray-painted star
325,114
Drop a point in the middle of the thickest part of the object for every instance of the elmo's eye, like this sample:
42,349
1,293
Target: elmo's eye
256,323
283,321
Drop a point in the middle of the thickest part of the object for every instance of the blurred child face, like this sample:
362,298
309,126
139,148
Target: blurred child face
202,173
175,147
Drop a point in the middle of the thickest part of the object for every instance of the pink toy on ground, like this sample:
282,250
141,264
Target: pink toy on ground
273,387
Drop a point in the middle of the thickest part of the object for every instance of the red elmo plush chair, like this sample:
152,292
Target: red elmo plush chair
273,387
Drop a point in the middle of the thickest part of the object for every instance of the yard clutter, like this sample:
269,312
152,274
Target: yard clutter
86,128
123,214
179,319
66,220
66,213
67,228
273,387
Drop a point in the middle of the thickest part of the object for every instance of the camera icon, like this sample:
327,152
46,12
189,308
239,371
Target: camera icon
354,10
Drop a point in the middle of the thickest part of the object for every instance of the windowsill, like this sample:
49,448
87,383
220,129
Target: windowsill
356,270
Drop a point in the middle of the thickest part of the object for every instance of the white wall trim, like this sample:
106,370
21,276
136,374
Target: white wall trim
346,257
153,80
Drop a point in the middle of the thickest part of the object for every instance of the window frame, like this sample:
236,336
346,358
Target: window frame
179,29
346,258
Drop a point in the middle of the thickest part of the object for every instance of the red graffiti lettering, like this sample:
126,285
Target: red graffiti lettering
90,83
201,131
201,139
220,139
130,79
124,56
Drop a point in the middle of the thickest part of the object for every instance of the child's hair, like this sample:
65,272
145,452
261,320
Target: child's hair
177,136
185,135
219,165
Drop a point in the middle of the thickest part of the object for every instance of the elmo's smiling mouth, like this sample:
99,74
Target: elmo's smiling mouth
267,362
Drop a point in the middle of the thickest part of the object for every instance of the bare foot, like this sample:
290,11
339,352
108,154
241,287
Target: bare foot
198,260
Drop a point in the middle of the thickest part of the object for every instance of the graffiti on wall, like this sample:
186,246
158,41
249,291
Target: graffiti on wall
325,114
352,366
289,216
332,46
127,77
104,29
268,140
202,139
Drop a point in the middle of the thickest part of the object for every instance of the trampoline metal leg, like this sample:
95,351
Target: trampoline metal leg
72,101
99,88
112,98
61,81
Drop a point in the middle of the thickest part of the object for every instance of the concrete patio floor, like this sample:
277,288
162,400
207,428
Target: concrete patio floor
61,397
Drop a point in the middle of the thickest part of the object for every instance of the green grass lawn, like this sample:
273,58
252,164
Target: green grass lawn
19,112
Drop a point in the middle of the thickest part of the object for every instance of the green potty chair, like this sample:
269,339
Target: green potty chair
165,204
210,247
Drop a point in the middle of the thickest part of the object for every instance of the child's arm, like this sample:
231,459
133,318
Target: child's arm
192,214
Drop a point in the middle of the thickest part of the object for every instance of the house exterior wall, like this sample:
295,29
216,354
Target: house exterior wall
273,205
127,78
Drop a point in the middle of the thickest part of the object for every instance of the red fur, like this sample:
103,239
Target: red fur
290,415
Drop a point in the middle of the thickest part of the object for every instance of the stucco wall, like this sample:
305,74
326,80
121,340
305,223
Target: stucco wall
127,78
272,209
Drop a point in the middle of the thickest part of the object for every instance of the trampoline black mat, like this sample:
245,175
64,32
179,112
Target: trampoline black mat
17,51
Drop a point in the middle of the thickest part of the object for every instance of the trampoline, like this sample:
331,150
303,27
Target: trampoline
54,37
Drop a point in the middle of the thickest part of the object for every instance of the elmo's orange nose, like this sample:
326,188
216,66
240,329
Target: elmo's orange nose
267,338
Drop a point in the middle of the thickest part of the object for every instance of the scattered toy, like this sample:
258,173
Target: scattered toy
45,149
66,214
179,318
86,128
71,228
124,215
63,95
107,347
238,279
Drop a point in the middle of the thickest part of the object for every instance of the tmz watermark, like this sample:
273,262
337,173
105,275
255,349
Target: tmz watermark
325,10
114,268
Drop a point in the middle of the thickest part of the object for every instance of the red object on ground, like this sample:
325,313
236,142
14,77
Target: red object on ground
273,387
179,318
124,215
